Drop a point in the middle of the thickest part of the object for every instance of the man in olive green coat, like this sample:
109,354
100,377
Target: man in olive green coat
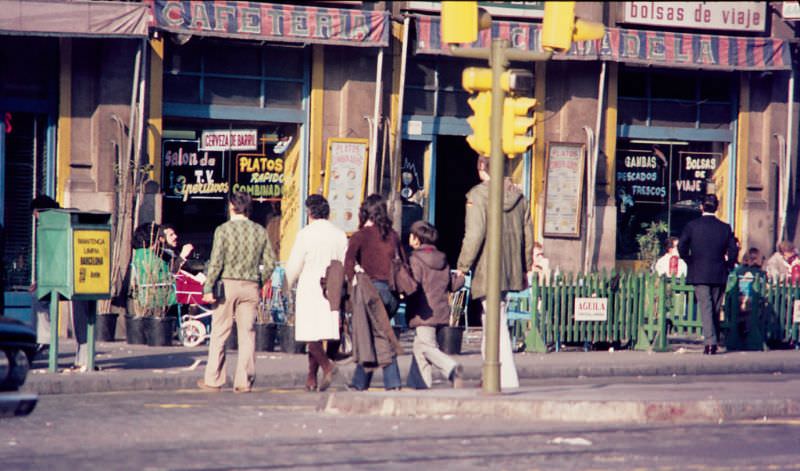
516,259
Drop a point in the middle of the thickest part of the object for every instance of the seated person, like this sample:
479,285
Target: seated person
168,239
671,264
152,283
778,266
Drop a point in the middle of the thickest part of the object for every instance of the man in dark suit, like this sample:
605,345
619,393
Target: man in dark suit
709,248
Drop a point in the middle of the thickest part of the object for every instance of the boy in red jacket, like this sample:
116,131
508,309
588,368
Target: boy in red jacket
429,307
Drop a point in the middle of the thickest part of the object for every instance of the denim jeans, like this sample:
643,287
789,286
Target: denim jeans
390,301
391,376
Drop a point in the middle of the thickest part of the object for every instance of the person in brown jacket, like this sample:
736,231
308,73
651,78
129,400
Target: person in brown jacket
429,307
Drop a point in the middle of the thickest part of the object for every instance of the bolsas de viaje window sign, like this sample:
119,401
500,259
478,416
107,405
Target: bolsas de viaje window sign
724,16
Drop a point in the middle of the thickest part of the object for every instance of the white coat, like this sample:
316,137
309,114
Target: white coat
315,247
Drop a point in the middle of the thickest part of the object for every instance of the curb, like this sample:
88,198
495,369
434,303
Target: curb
627,411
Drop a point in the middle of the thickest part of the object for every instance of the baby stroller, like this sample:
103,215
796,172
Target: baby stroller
194,327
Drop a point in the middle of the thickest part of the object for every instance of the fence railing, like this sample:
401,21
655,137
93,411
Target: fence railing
644,309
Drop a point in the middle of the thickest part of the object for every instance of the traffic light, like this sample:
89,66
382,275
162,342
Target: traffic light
459,22
480,122
479,80
516,123
560,27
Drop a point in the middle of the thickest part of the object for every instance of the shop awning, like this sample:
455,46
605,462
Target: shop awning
273,22
658,48
74,18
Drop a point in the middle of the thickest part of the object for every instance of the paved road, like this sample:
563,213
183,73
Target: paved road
283,429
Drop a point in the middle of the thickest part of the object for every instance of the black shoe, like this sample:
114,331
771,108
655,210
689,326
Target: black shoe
713,349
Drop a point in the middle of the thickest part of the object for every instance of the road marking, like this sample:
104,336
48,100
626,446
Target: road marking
170,406
769,422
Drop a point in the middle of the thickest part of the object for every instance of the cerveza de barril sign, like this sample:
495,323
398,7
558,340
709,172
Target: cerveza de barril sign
273,22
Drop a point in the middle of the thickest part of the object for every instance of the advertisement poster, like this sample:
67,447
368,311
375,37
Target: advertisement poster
190,173
563,192
345,177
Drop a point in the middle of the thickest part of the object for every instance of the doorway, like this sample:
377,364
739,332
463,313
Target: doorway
455,175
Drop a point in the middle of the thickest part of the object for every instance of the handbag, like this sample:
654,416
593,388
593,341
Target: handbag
400,280
219,290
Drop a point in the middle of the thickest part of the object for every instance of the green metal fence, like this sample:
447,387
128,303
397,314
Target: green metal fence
644,309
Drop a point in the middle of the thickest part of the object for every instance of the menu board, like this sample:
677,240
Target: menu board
345,178
190,173
563,189
641,176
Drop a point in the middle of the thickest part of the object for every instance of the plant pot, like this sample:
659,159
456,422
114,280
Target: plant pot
265,337
107,327
159,331
134,330
449,339
232,342
288,343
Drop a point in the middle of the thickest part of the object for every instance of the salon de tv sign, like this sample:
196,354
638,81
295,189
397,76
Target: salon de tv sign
724,16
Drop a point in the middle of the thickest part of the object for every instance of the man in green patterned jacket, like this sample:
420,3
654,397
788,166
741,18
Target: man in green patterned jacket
242,256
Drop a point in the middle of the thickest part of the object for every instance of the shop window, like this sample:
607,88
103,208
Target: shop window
226,91
284,95
686,99
662,183
26,75
182,89
215,72
232,60
434,87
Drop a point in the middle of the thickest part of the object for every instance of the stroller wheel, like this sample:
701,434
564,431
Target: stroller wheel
193,333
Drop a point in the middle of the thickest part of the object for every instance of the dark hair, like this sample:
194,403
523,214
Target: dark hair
145,235
710,203
241,202
670,243
425,232
374,209
44,202
318,207
754,257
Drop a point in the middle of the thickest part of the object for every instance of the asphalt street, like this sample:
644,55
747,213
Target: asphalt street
286,429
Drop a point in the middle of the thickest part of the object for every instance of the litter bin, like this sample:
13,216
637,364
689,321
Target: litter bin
73,261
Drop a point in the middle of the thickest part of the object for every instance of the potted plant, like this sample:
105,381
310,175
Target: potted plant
449,337
152,290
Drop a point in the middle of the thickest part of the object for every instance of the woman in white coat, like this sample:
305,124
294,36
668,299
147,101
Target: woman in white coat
316,245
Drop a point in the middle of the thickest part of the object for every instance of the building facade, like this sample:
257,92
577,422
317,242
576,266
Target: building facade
159,110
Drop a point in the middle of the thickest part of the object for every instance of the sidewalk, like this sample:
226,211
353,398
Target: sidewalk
126,367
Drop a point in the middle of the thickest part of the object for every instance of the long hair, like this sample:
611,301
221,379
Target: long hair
374,209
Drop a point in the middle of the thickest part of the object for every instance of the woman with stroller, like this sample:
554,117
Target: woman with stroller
373,248
317,245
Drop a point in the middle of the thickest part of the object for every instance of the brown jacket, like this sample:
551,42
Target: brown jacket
517,243
430,304
374,342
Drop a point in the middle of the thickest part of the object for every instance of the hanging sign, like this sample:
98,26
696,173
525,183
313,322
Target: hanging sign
662,48
229,139
273,22
190,173
345,179
564,189
732,16
591,309
91,261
